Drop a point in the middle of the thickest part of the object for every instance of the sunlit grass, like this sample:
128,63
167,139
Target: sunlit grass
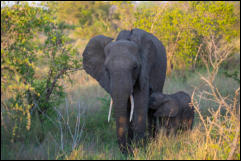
98,137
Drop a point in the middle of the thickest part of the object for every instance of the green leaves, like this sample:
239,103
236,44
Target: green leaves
33,41
183,27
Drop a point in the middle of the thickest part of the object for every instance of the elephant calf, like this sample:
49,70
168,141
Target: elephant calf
174,111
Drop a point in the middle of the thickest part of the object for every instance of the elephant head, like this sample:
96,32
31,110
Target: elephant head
165,105
116,65
127,68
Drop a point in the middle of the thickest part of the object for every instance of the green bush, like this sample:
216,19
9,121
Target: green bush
25,91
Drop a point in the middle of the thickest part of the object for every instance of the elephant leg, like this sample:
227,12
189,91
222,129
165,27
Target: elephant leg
167,123
190,124
150,120
160,122
140,115
163,124
152,123
173,125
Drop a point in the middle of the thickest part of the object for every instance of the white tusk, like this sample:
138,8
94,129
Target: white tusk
132,107
111,102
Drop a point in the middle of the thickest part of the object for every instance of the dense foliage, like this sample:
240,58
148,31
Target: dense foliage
25,87
183,27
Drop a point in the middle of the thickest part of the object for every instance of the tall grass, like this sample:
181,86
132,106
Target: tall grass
97,137
216,133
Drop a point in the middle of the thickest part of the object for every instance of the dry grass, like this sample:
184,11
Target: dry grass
217,104
216,133
214,137
98,138
218,138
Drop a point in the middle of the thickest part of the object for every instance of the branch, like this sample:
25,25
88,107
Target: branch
234,143
195,59
50,90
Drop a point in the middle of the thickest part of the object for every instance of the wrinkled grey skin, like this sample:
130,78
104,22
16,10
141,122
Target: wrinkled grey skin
173,111
133,64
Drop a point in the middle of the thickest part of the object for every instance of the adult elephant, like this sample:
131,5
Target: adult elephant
130,68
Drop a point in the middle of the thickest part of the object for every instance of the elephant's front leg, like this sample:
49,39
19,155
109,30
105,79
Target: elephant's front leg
140,115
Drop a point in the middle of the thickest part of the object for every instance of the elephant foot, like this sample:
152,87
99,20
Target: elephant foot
127,151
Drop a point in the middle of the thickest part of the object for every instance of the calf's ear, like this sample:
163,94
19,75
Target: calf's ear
168,109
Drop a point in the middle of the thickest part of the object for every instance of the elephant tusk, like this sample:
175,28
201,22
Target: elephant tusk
111,102
132,107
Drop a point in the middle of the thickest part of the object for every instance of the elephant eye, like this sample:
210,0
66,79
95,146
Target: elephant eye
107,71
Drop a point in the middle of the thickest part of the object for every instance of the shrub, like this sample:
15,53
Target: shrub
23,90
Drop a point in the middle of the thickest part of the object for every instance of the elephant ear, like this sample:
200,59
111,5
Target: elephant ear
147,51
168,109
157,99
124,35
153,55
94,58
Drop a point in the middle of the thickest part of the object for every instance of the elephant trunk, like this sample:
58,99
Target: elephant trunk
120,113
121,91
